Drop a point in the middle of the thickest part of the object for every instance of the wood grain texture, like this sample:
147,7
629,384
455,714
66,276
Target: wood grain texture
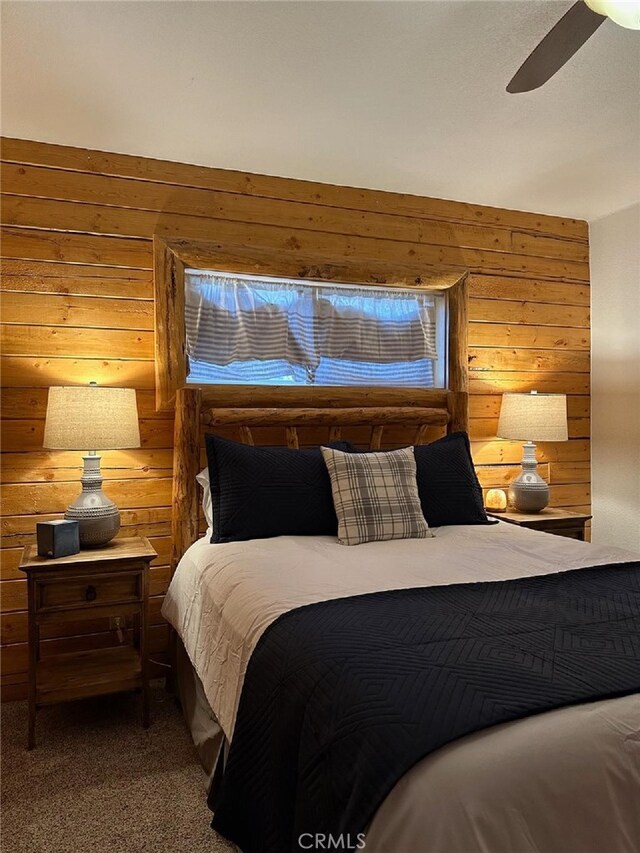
29,270
375,442
325,416
457,404
483,358
246,436
293,442
528,313
458,337
526,290
18,530
44,466
32,403
232,396
25,152
63,341
170,335
528,337
39,308
18,435
106,224
186,443
176,203
313,265
77,260
43,245
42,371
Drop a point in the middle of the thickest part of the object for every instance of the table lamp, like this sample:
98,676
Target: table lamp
532,417
84,417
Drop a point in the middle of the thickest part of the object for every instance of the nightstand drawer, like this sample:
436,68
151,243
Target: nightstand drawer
569,532
92,591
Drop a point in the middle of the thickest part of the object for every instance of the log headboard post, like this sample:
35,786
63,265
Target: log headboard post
186,463
458,397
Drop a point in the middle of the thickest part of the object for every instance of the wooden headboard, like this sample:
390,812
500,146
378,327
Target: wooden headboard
294,409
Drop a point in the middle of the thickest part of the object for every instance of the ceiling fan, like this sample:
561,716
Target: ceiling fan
568,36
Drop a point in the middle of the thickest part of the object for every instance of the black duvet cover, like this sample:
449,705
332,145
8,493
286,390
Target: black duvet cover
343,697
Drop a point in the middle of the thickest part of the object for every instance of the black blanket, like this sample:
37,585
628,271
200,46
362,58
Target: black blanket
343,697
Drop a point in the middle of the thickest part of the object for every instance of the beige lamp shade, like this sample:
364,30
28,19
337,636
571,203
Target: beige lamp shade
533,417
90,417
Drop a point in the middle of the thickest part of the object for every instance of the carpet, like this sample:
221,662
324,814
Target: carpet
98,782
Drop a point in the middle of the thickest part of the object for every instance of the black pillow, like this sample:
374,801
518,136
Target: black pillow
447,483
260,492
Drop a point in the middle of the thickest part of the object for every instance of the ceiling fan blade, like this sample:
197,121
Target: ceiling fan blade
556,48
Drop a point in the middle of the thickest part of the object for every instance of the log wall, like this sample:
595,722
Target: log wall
77,230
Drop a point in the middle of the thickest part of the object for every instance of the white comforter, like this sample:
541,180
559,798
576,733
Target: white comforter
502,789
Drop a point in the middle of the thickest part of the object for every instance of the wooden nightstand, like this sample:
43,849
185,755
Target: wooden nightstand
101,583
558,521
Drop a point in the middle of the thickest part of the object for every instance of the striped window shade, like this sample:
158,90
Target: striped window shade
244,329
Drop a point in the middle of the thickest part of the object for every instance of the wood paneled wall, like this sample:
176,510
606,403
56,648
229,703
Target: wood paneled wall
77,305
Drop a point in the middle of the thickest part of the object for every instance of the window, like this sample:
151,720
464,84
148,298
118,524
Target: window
268,331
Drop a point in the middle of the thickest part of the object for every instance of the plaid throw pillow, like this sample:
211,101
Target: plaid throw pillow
375,496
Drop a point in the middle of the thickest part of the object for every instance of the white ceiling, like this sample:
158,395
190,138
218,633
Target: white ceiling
404,96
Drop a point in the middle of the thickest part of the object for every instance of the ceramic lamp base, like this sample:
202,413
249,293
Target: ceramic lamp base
97,515
529,492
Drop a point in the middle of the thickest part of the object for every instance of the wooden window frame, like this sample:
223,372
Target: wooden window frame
172,257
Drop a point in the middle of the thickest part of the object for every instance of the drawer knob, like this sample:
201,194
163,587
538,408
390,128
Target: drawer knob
91,593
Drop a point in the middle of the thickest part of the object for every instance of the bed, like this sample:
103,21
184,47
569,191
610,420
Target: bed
566,780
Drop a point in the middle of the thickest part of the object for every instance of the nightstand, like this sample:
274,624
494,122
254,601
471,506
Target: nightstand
98,585
558,521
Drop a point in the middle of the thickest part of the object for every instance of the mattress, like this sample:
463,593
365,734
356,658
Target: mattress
529,785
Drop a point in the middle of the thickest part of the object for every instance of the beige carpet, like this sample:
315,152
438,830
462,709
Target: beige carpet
98,782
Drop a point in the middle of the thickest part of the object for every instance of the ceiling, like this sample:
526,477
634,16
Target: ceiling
404,96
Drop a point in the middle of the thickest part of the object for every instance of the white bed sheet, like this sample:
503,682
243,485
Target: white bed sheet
222,597
567,781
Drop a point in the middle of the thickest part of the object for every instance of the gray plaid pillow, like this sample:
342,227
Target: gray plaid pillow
375,496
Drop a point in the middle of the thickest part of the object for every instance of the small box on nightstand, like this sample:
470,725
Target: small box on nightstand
58,538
